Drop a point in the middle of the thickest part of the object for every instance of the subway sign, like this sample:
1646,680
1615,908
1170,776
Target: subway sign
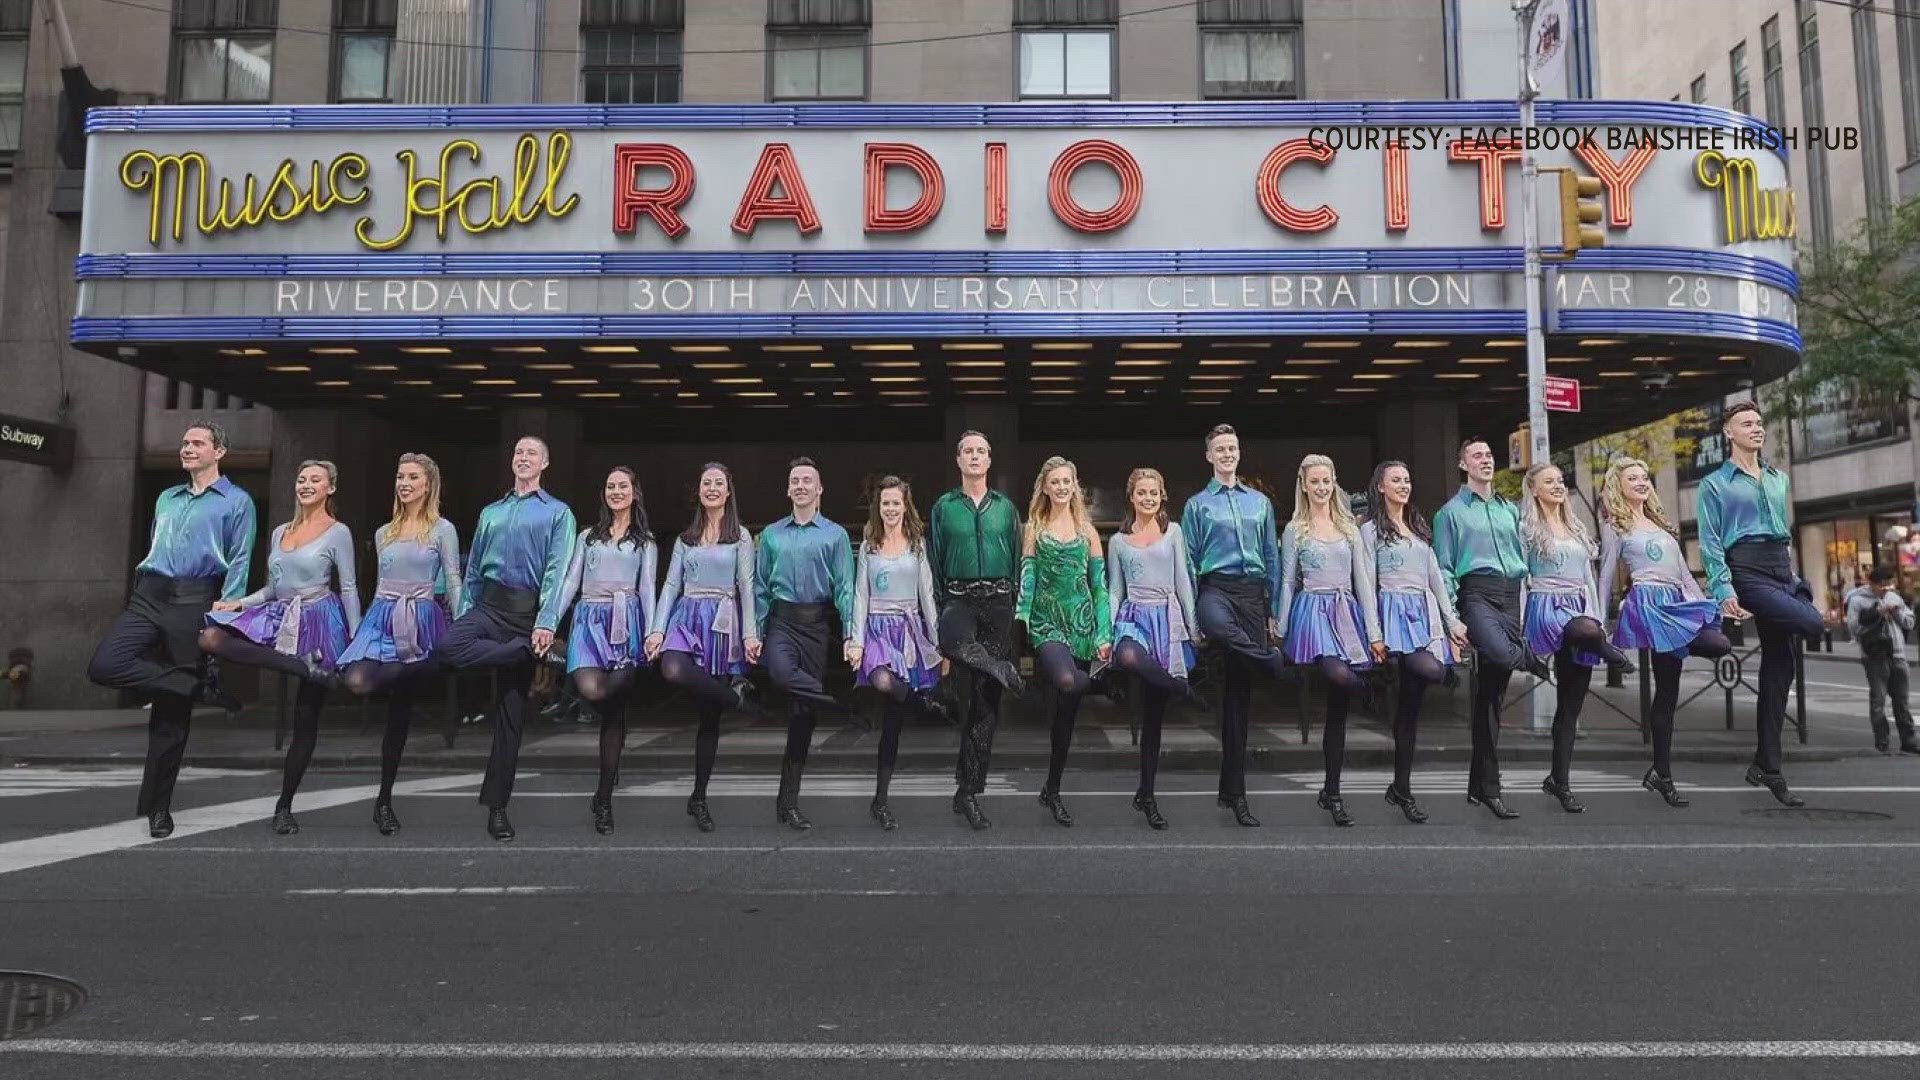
36,442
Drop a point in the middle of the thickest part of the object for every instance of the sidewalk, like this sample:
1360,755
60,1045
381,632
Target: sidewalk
660,735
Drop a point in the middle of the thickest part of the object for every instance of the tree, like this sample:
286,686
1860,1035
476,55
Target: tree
1860,314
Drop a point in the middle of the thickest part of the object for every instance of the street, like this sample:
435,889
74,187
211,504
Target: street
1732,938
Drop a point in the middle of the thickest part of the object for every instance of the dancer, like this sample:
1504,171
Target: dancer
199,551
1150,590
895,622
297,624
1233,551
1063,603
802,579
705,620
1329,616
1417,620
973,545
1476,537
1664,611
1742,508
509,607
1563,613
418,549
614,566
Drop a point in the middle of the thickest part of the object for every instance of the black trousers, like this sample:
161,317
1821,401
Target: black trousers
153,649
494,634
1490,608
1232,610
986,621
1763,581
794,649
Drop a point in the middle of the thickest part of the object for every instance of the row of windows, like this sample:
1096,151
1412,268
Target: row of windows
632,50
15,17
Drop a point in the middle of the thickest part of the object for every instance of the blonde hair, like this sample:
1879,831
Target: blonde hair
1040,509
1613,498
1338,507
1133,516
1535,531
333,481
416,526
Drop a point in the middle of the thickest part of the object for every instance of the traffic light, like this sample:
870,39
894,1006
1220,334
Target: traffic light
1580,212
1520,449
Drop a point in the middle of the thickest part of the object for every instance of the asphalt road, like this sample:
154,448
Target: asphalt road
1725,940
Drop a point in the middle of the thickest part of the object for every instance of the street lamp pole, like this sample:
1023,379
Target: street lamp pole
1523,11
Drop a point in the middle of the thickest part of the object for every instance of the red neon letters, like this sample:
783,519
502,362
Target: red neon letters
933,187
758,203
1060,186
630,200
1275,205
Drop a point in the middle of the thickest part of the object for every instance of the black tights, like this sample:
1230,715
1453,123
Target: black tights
1418,670
1070,683
367,677
893,715
713,697
1570,681
1586,635
306,735
1157,686
1342,681
604,691
1708,644
234,647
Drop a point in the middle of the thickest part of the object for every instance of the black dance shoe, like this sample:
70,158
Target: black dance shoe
1151,808
318,673
1882,746
1775,783
1008,676
284,823
498,826
968,807
384,819
208,692
1404,800
602,815
880,812
1564,793
1335,807
1050,799
1241,814
1908,746
697,810
1494,804
791,817
159,824
1663,786
1538,667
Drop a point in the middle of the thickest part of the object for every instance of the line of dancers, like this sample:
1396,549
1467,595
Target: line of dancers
918,600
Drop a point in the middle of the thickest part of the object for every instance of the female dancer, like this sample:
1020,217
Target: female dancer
705,620
895,623
1063,602
418,549
1417,619
1151,593
614,566
1326,605
1664,612
296,624
1563,612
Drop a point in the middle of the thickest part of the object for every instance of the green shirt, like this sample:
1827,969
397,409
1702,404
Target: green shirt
972,543
1472,535
809,563
1733,506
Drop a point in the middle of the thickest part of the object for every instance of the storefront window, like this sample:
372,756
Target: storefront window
1897,545
1838,418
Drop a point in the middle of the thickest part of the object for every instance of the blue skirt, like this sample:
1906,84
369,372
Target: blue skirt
1148,624
374,639
1661,618
690,630
587,642
1315,629
323,626
1548,614
885,646
1406,622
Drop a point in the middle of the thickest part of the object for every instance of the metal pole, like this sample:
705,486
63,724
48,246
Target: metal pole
1538,443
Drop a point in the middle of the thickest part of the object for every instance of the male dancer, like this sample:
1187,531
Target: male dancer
1233,550
802,577
1746,549
973,543
201,546
509,608
1476,538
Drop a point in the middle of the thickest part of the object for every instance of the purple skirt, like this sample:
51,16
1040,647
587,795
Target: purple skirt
374,639
1406,622
1661,618
323,626
885,646
588,645
690,630
1315,629
1548,614
1148,624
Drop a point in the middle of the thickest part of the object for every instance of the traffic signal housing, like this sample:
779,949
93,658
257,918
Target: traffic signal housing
1580,213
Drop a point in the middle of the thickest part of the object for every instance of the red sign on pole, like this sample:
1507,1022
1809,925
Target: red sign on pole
1563,395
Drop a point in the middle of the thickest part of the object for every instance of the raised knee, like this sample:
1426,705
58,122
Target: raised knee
210,639
357,682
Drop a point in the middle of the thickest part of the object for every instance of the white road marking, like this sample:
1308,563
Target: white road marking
441,890
1353,790
26,854
831,784
39,780
1037,848
1069,1052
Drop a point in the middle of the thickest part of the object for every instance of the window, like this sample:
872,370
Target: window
1839,418
1697,91
818,49
223,50
1066,48
1773,81
1873,120
1737,69
16,17
1906,23
1250,48
631,51
1813,114
363,68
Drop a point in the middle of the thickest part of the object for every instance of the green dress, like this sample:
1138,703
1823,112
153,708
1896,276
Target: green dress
1063,596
